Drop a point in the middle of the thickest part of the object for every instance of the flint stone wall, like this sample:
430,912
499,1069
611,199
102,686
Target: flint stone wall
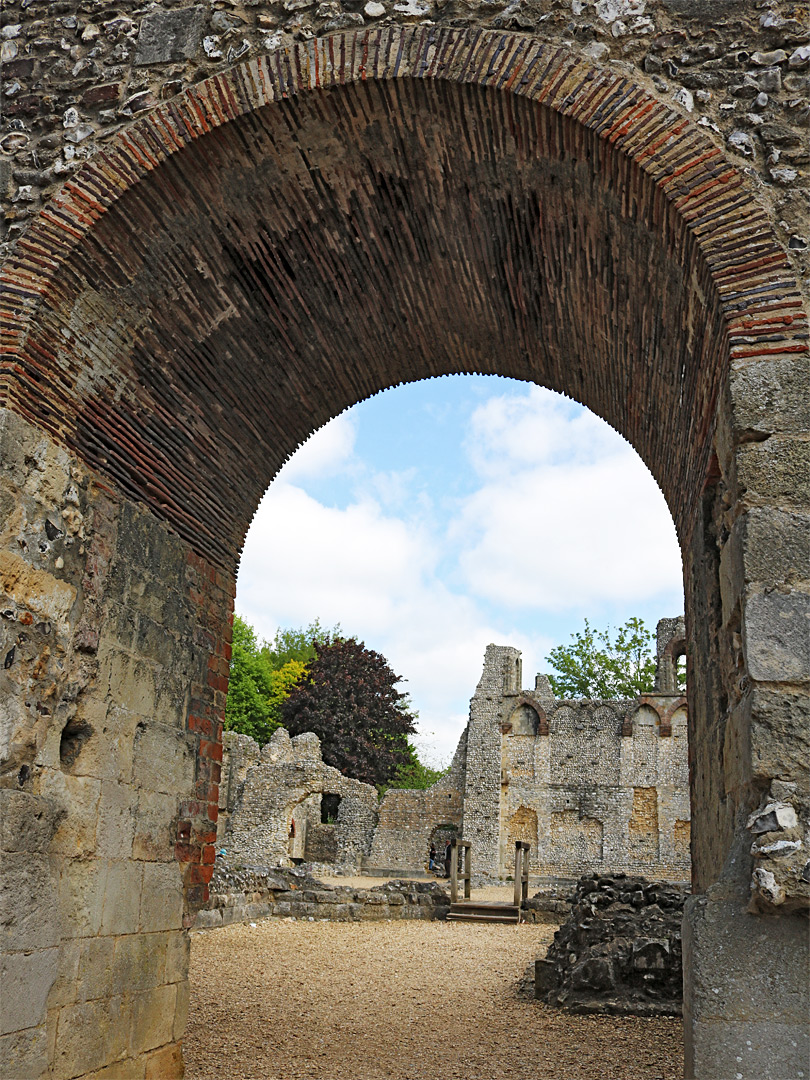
408,820
272,798
591,785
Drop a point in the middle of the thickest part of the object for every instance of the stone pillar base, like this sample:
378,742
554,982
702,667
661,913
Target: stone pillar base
746,1006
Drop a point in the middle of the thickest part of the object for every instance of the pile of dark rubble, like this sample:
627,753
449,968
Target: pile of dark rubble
619,951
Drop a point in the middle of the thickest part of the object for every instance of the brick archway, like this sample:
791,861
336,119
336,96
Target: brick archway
249,259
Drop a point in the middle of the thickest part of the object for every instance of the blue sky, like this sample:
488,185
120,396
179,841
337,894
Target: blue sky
443,515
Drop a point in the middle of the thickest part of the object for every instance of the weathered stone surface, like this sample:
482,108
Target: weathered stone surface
619,950
122,898
26,980
96,1034
741,1002
776,631
780,735
26,1052
153,1017
767,546
161,897
777,469
139,962
30,916
167,36
95,968
27,821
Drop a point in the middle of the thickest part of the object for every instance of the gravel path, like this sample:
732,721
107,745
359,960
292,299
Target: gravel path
408,1000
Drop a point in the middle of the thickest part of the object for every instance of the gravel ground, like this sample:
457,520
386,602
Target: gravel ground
288,1000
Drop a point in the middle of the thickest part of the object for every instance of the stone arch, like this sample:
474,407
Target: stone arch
198,296
527,718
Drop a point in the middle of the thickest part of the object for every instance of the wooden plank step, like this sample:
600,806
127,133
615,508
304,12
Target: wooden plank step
492,907
468,916
470,911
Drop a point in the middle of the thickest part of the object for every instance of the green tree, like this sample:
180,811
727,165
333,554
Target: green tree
413,774
597,665
348,697
297,643
247,707
282,682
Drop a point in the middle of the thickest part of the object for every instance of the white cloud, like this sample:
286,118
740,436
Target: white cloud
326,452
567,514
375,574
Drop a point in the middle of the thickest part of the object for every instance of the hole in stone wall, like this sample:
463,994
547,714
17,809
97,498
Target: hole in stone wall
330,804
75,734
680,671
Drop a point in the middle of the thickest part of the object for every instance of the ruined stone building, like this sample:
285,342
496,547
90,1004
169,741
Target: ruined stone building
229,222
594,786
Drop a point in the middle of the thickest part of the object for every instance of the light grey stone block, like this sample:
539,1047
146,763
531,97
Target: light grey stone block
167,36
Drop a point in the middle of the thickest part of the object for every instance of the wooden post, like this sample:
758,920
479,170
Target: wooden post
467,869
454,870
526,872
522,850
518,871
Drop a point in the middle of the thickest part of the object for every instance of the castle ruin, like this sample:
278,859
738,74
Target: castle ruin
593,786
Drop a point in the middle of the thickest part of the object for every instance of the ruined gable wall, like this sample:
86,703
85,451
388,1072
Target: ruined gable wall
592,786
281,781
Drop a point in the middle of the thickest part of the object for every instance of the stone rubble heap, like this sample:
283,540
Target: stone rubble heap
619,951
245,894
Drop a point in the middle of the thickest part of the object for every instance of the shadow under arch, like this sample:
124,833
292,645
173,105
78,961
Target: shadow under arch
306,229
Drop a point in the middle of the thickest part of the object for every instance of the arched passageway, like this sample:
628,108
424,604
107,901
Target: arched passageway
249,259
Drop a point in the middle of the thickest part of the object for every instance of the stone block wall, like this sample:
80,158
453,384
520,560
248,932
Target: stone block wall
112,643
589,797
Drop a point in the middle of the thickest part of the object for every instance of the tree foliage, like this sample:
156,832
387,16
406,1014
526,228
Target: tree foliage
263,673
413,774
247,707
348,697
297,644
598,665
282,682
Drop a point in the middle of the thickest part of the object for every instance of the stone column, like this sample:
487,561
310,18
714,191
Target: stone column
746,957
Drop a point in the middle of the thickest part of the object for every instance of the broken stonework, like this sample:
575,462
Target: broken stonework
249,893
619,951
271,801
780,878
